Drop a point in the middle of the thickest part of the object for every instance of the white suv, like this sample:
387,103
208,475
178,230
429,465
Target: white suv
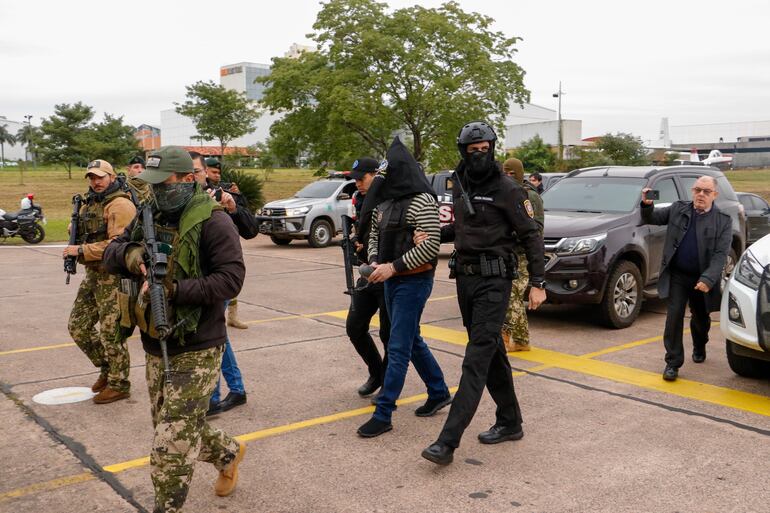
314,213
748,348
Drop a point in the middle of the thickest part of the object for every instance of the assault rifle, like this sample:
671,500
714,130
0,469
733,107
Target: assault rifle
71,262
156,263
348,252
468,205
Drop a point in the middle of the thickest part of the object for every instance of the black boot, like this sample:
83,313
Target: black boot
374,427
215,408
370,387
232,400
439,453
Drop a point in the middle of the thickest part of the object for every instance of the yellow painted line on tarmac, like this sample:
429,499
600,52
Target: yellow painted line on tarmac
38,348
47,486
585,364
337,313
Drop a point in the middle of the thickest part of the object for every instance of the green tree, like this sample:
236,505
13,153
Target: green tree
587,157
5,138
218,113
110,140
62,135
536,155
416,71
623,149
28,135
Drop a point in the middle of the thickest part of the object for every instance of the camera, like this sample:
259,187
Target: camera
652,195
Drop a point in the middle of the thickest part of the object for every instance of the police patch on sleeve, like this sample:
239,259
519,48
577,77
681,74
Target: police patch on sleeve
530,210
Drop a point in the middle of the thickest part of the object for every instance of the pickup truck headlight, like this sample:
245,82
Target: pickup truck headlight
580,245
749,271
297,211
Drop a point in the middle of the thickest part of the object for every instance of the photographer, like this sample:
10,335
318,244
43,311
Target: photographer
207,173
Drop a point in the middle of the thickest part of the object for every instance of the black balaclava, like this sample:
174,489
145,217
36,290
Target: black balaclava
479,166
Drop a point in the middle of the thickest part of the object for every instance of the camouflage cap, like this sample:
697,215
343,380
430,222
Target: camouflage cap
515,168
100,167
164,162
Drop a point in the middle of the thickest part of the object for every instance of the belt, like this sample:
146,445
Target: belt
417,270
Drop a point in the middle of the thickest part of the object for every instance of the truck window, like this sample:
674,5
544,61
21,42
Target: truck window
667,189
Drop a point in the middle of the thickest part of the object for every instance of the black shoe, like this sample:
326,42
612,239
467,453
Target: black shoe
699,354
439,453
670,373
215,408
374,427
431,406
370,387
497,434
232,400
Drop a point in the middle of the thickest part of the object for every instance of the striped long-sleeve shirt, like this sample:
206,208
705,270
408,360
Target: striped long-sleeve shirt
422,215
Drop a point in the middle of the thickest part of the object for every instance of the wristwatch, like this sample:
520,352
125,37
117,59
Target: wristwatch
537,284
80,250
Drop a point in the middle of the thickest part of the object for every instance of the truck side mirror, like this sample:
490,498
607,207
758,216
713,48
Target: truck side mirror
343,196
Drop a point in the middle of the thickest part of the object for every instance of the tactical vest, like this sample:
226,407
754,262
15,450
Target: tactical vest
395,236
182,245
92,226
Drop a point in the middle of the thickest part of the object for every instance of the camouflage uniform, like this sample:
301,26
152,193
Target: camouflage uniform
515,330
101,219
182,434
202,233
97,301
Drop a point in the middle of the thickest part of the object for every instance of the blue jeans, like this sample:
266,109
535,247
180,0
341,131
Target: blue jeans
405,298
230,371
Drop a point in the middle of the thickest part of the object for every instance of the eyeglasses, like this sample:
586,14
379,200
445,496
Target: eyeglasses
698,190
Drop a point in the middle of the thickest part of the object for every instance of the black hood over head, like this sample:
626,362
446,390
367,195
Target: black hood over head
404,177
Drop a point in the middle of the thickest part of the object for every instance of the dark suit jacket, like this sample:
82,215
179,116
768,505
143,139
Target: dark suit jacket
714,235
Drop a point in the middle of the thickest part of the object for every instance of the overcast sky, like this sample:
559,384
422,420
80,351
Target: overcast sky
623,65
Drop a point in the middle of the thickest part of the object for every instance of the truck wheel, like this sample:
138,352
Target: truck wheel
320,233
745,366
623,296
33,234
279,241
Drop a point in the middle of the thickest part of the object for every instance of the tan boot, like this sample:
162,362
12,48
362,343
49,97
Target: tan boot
100,384
519,346
232,317
228,477
109,395
509,345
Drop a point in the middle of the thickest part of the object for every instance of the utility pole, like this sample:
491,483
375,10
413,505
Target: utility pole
561,135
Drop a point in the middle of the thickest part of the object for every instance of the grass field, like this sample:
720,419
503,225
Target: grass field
54,191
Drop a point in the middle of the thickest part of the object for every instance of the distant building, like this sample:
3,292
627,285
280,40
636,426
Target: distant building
718,132
148,137
18,151
526,121
296,50
180,130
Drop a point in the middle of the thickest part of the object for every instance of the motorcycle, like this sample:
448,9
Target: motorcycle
27,223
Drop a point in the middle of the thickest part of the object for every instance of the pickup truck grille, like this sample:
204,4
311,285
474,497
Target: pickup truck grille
275,211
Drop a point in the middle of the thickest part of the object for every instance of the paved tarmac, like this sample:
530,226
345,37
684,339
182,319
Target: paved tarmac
603,431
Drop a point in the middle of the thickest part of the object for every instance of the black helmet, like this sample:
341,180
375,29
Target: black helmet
476,131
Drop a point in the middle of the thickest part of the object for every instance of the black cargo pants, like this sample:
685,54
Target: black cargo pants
483,303
366,302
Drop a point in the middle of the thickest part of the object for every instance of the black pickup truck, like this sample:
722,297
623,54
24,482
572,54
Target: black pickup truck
443,186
